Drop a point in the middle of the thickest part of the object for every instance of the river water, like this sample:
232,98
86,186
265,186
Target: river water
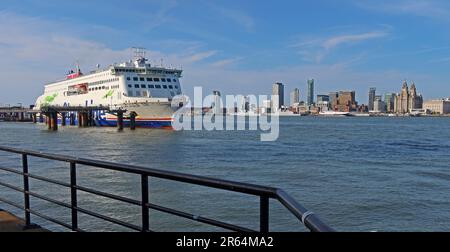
357,174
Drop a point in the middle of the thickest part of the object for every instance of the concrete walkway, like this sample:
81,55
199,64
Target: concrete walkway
12,223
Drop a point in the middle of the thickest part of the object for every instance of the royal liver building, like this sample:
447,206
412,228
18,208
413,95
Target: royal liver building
408,99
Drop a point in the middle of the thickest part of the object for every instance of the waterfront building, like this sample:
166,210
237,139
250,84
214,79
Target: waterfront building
310,93
323,106
295,96
347,101
408,99
440,106
389,99
379,105
278,89
323,98
372,92
334,97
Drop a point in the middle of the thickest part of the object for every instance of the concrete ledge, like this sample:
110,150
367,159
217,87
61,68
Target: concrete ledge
12,223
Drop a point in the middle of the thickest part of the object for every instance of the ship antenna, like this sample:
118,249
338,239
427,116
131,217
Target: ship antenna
138,53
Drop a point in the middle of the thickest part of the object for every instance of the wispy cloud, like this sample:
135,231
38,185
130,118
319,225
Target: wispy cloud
435,9
237,16
226,62
317,49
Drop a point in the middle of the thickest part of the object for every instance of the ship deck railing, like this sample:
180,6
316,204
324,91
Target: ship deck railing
304,217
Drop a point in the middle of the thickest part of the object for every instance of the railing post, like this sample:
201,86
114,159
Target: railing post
264,214
145,210
73,195
26,188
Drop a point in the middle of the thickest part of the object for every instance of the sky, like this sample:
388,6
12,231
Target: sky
235,46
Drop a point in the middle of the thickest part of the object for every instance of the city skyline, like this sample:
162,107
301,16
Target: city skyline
229,50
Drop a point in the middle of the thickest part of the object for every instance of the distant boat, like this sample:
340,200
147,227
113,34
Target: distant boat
334,113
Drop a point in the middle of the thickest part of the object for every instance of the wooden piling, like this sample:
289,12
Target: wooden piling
133,120
34,117
54,121
63,119
120,120
72,119
79,120
84,116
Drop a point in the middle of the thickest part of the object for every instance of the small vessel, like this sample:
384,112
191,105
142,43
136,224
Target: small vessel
334,113
135,86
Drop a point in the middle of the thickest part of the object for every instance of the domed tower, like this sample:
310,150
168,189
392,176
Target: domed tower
404,99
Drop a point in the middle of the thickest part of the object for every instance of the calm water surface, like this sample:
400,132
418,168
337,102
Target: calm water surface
358,174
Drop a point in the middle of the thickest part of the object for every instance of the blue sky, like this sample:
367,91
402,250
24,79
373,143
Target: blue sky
238,47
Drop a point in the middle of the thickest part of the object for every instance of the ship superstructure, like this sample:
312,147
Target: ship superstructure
135,86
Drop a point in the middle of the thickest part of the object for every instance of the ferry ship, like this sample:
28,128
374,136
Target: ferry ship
135,86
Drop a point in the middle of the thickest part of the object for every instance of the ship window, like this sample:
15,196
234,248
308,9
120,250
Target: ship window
143,86
151,86
156,79
149,79
176,87
165,86
142,79
128,78
129,85
170,87
103,87
158,86
169,80
135,78
174,80
136,86
138,93
130,93
163,80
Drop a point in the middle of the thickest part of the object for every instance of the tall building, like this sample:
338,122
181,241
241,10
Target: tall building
379,106
389,99
278,89
295,96
372,92
310,93
347,101
408,99
334,97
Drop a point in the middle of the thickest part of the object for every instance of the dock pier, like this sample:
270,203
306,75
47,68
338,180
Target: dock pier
84,116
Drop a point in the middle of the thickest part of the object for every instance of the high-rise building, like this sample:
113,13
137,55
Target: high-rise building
334,99
310,94
408,99
278,89
389,99
347,101
379,105
295,96
370,104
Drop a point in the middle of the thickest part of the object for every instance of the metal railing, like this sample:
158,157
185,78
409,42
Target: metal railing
308,218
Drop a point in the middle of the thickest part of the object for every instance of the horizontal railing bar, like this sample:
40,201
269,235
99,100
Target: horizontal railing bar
180,177
312,222
109,219
43,216
59,203
15,188
200,219
11,203
52,181
11,170
108,195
